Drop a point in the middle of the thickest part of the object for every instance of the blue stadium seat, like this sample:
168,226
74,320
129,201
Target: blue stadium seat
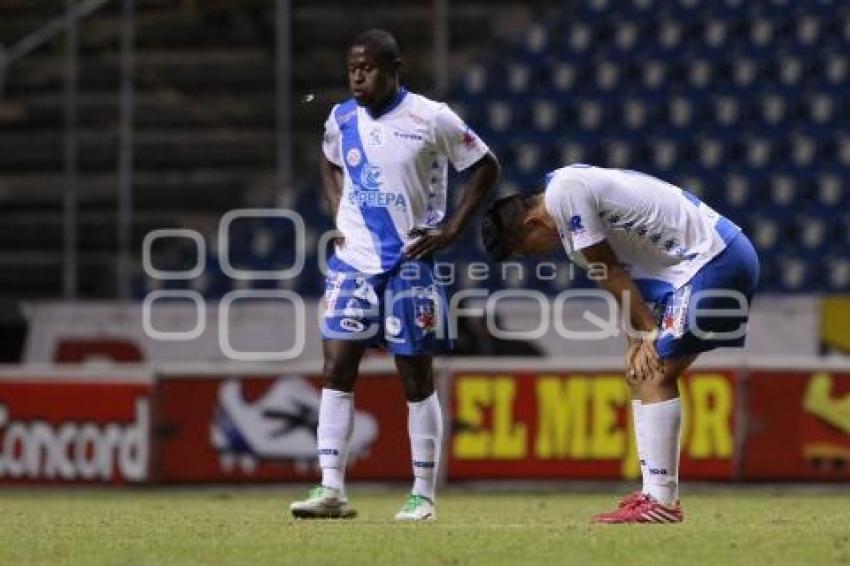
765,233
796,273
743,103
812,233
836,270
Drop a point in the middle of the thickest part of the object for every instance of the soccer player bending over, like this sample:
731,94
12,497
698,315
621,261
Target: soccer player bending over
383,169
660,250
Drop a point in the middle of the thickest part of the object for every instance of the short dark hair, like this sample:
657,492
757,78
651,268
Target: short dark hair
502,224
381,43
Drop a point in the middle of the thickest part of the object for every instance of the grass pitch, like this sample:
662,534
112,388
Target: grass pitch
228,526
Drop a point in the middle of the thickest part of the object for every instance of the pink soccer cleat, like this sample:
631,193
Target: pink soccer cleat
642,509
624,502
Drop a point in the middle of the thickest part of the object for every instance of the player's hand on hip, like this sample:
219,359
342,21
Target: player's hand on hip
428,241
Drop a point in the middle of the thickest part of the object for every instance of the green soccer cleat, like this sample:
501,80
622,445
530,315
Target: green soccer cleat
417,508
323,503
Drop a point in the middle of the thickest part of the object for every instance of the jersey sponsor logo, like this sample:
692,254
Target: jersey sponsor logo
658,471
408,136
371,177
328,452
576,225
353,157
377,199
421,464
367,190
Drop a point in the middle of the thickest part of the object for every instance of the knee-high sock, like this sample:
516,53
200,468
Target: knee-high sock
640,442
662,427
336,418
425,426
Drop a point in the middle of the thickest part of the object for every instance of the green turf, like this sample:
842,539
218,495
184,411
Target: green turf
252,527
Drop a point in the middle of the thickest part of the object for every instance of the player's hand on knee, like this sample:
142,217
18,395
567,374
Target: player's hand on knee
646,363
631,372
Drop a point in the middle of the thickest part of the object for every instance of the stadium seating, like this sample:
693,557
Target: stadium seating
743,103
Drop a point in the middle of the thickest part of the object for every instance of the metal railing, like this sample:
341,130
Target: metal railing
69,24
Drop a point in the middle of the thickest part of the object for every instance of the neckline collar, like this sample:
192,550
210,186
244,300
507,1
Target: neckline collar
389,106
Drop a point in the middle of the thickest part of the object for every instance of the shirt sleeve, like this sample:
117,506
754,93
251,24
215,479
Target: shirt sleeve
574,209
456,140
330,140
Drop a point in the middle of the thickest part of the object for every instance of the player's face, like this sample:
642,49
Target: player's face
539,240
541,234
370,83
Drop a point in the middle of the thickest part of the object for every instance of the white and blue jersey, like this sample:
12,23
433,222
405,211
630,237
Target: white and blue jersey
672,244
396,172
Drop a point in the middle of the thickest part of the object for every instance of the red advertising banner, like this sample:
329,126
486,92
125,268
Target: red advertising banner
798,426
263,428
61,431
578,425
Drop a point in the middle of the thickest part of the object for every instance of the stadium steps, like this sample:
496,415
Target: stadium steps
167,148
205,107
166,109
28,230
31,261
192,189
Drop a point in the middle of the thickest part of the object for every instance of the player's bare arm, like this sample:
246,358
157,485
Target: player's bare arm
642,360
483,177
332,181
331,176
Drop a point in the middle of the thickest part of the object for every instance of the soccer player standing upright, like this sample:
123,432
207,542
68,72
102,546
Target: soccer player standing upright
654,244
384,176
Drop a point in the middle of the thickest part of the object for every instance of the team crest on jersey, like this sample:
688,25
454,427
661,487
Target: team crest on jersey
353,157
376,136
371,177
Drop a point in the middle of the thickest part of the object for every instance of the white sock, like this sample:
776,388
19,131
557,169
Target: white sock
336,418
640,442
661,428
425,426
